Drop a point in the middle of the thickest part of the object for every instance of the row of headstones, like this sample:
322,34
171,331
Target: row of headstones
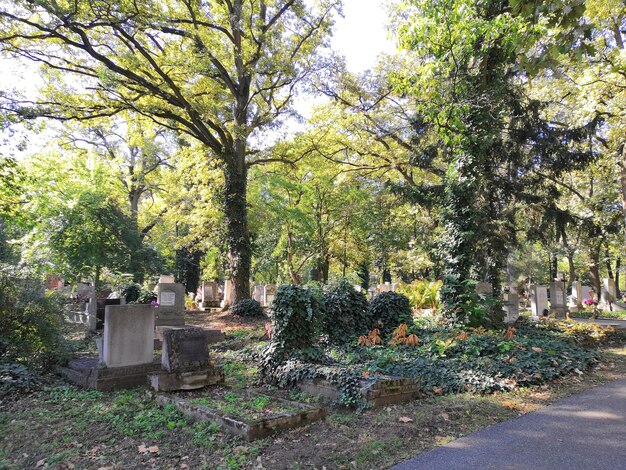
171,311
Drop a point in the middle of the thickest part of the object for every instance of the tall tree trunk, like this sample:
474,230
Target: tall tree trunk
572,266
618,263
594,270
623,184
609,268
239,246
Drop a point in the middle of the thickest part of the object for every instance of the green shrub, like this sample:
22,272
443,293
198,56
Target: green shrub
388,310
248,308
422,294
295,314
137,294
347,313
15,378
30,322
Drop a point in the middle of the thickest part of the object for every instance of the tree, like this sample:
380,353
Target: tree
215,71
471,67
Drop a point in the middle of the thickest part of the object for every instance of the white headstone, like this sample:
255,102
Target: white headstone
228,293
577,293
258,295
269,293
609,293
386,287
166,279
511,306
538,300
128,337
558,298
587,292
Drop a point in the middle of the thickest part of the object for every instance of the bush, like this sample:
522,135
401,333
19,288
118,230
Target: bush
347,314
248,308
422,294
295,314
388,310
15,378
30,322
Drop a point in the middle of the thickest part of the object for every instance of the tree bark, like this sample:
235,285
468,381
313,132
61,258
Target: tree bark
237,234
594,270
623,184
572,266
618,263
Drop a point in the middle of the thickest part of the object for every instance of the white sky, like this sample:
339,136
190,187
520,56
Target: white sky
361,35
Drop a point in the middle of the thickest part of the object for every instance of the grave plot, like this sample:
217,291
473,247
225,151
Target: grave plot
243,413
375,391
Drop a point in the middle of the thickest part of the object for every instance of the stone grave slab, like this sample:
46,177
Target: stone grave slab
248,429
128,337
89,373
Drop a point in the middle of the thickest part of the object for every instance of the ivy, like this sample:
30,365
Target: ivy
248,308
388,310
347,313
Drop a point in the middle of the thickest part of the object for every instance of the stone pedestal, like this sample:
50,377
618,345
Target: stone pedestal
128,337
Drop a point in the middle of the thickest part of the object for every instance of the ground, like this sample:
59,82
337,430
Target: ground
64,427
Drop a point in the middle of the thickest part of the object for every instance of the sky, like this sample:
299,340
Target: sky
361,35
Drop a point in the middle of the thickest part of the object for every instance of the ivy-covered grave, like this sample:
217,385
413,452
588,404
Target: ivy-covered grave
412,359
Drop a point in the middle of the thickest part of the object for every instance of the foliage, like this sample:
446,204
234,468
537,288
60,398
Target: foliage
422,294
388,310
347,313
295,314
16,379
30,322
137,294
248,308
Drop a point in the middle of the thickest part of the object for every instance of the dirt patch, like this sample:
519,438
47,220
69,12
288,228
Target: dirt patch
226,321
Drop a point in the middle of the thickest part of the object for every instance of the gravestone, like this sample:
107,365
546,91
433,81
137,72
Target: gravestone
128,337
538,300
166,279
269,294
372,292
171,299
511,306
96,309
385,287
484,290
558,304
587,292
357,287
561,276
210,295
258,295
185,348
609,292
84,292
394,287
185,358
577,293
228,294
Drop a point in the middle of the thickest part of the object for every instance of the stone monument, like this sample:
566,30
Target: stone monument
558,304
171,299
539,300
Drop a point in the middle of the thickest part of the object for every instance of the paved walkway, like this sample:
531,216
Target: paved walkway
584,431
617,324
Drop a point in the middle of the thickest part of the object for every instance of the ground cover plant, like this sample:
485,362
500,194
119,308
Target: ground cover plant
127,429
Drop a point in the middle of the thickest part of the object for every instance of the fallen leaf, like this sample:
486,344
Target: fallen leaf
40,463
536,349
445,416
153,449
142,448
405,419
437,390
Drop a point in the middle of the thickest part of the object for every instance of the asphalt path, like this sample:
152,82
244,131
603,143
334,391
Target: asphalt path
584,431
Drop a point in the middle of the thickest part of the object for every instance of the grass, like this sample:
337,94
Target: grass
245,406
66,426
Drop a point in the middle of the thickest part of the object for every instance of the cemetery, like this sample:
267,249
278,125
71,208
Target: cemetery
327,235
